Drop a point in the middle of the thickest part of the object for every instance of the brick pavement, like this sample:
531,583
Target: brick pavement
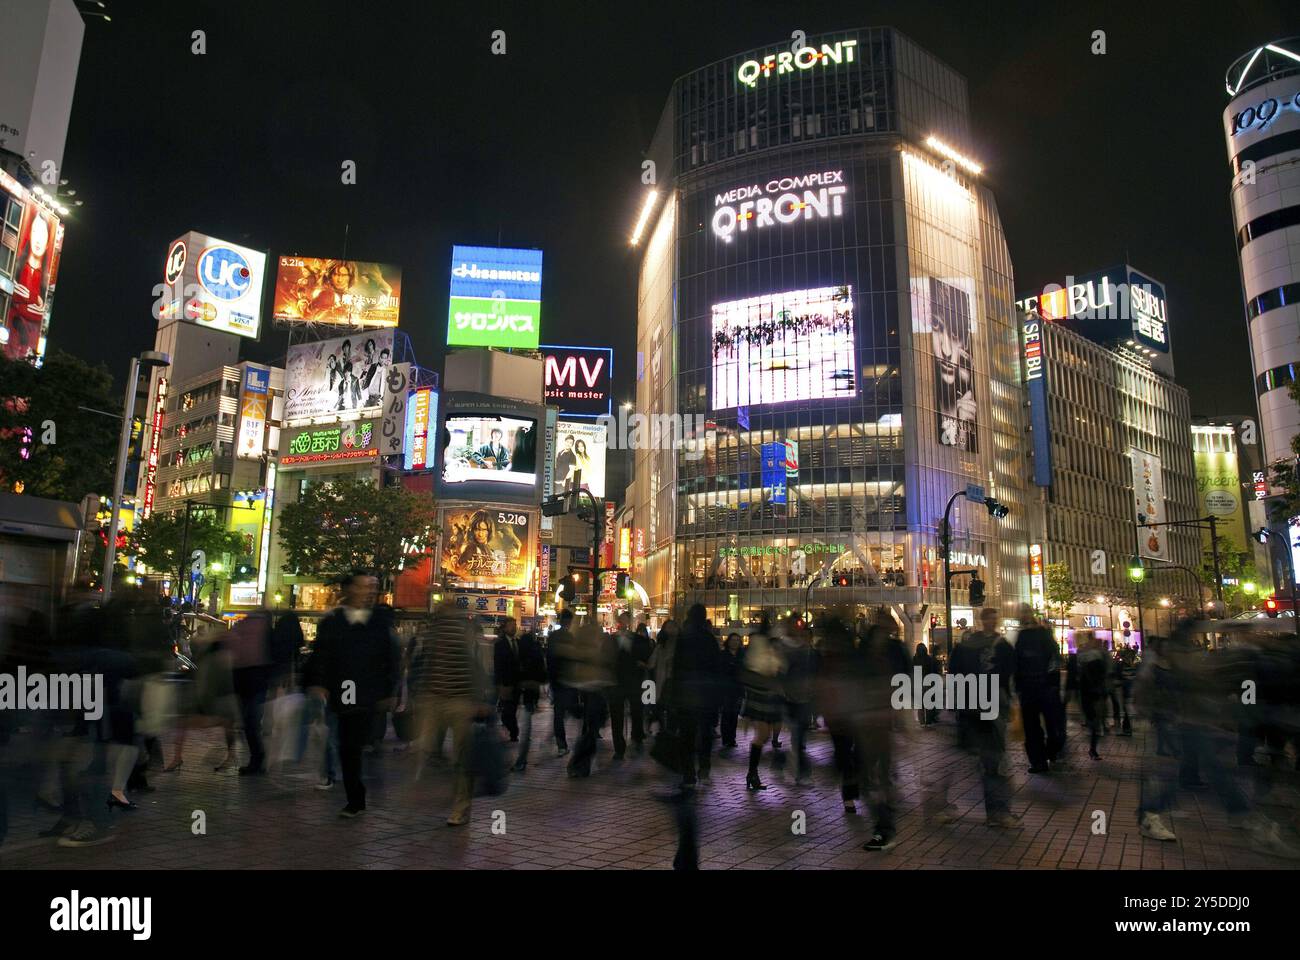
612,821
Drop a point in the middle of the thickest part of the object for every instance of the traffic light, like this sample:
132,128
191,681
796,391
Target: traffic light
1270,606
842,580
622,586
934,621
569,588
976,592
1262,535
997,510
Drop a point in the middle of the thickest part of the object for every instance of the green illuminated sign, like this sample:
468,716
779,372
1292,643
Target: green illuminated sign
486,322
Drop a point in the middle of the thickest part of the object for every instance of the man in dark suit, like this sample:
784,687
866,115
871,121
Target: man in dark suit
355,667
495,451
506,664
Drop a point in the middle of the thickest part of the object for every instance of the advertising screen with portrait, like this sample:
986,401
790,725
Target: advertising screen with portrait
490,449
580,448
346,374
954,368
27,282
348,292
796,345
487,547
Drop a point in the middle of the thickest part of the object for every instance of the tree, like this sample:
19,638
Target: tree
165,544
1059,587
1233,565
350,523
1286,475
49,445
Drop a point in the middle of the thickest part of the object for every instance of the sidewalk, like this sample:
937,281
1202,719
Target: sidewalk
611,820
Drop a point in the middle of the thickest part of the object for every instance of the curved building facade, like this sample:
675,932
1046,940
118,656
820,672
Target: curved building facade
1261,126
825,305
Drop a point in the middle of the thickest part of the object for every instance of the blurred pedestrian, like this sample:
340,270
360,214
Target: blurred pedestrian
1038,682
761,672
355,668
730,690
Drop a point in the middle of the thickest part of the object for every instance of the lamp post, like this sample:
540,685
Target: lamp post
147,360
1137,573
996,510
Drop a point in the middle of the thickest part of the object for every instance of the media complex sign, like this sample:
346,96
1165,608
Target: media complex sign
779,200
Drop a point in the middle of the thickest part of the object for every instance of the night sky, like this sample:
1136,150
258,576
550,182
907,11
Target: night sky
1092,158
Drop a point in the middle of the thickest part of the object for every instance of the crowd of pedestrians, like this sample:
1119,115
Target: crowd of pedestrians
684,689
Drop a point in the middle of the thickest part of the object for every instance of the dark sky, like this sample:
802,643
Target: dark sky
1090,156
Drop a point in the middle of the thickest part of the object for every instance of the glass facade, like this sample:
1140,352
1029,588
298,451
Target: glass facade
827,305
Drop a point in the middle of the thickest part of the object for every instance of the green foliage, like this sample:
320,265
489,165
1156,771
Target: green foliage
1058,587
47,401
349,523
1233,565
165,545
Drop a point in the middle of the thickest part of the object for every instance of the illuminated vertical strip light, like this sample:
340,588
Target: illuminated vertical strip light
1037,593
264,554
641,221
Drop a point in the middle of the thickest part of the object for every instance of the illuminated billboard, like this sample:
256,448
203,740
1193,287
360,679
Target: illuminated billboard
343,375
948,308
252,412
781,347
495,297
487,547
421,414
355,293
347,442
29,268
213,283
1218,484
1119,306
490,449
580,447
155,438
1149,503
579,380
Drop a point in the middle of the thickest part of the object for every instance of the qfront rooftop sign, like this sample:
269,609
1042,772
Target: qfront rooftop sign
788,61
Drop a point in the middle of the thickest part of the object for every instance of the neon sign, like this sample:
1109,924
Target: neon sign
155,437
349,442
778,202
787,61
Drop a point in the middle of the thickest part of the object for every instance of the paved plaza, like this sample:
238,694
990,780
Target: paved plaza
613,819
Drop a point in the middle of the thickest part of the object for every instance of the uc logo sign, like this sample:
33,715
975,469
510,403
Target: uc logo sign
224,273
175,262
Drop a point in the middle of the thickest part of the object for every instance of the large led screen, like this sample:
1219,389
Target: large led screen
347,292
343,375
490,449
781,347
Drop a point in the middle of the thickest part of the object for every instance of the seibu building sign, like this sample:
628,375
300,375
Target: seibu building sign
781,200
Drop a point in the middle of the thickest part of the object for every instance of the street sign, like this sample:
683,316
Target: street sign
975,492
198,560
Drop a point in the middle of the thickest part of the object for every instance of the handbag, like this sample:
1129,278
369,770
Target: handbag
667,751
487,761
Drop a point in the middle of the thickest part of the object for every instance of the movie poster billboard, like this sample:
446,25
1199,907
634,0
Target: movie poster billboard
356,293
35,245
1149,503
487,547
954,365
580,447
781,347
343,375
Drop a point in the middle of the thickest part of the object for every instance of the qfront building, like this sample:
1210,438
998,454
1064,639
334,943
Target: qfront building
826,322
1261,126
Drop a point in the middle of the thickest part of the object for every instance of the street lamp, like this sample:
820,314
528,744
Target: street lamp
148,360
997,510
